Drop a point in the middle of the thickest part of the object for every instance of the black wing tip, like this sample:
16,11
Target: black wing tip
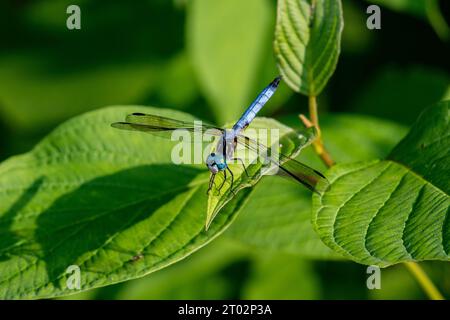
138,114
312,183
276,81
319,173
118,125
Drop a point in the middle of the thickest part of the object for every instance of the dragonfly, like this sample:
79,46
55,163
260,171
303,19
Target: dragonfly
218,161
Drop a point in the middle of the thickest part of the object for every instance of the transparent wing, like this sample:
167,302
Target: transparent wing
163,126
288,166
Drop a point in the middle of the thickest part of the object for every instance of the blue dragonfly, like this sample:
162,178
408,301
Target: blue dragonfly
217,162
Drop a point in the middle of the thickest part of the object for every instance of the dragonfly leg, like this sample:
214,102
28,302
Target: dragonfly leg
232,179
242,162
211,183
224,180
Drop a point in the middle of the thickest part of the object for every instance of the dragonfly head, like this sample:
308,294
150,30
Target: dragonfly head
215,163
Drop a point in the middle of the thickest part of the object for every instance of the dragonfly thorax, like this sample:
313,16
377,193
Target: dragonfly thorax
226,145
215,163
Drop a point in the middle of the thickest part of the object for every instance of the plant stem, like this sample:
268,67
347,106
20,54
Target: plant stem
317,144
312,103
424,281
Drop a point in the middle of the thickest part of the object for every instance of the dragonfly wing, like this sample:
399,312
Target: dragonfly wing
163,126
288,166
163,122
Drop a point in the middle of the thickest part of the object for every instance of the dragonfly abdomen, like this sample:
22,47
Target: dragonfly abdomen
256,105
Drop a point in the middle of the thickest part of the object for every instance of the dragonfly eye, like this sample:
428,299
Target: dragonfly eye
213,154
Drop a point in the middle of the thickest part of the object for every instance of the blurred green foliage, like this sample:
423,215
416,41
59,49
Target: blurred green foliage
412,86
424,9
209,58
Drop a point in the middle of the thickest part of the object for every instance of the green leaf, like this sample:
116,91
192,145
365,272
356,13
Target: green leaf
199,276
106,200
386,212
226,42
277,217
307,42
202,275
425,150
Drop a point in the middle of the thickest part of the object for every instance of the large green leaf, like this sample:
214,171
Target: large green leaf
226,41
307,42
109,201
425,150
385,212
100,198
199,276
275,220
210,273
